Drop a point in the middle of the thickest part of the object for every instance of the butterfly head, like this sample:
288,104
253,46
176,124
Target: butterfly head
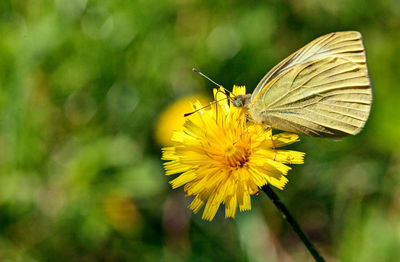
241,100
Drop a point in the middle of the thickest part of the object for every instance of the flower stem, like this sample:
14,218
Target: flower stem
292,222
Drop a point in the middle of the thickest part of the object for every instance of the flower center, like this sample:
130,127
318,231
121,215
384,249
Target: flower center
236,155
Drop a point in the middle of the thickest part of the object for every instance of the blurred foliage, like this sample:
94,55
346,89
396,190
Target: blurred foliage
83,82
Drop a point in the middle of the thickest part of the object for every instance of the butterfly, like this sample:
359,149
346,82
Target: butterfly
321,90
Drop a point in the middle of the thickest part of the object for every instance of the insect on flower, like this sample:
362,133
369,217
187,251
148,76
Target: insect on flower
227,151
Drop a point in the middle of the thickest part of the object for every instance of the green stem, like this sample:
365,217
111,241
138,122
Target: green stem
292,222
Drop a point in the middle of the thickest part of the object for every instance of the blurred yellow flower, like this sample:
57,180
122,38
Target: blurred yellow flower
121,212
171,119
222,158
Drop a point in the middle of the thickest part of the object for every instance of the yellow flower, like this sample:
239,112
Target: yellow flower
222,158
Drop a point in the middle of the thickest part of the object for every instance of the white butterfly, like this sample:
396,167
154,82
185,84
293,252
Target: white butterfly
321,90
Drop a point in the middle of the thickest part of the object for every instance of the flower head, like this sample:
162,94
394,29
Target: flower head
224,159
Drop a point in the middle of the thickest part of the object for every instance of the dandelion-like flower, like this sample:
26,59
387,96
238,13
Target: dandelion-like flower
224,159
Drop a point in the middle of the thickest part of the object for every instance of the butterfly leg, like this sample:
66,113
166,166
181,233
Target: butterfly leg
245,120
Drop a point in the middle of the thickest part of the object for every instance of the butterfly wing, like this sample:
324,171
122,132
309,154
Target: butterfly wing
322,89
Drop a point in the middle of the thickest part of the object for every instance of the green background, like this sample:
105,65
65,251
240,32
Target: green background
82,83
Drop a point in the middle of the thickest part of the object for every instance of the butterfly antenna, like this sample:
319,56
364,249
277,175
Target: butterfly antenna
209,79
198,109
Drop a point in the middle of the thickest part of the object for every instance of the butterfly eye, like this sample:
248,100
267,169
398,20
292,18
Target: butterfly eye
237,102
